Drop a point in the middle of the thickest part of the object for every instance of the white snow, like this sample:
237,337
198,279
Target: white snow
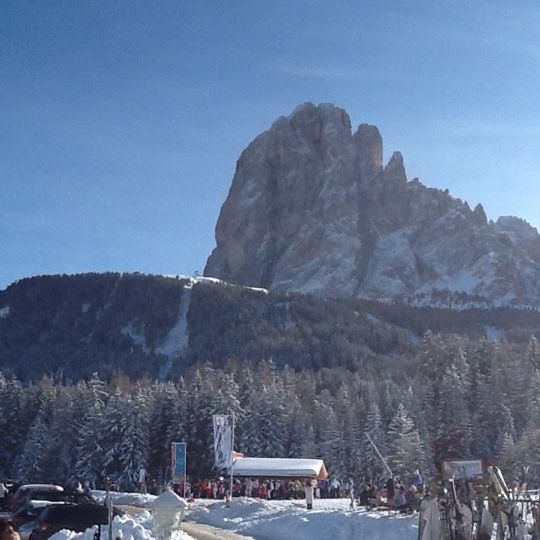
140,527
267,520
138,339
205,280
289,520
299,468
4,312
177,339
493,333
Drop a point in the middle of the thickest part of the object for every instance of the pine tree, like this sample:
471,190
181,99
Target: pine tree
405,447
29,466
374,429
163,404
133,445
90,433
453,434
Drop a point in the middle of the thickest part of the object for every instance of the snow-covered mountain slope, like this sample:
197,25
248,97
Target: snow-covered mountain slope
313,209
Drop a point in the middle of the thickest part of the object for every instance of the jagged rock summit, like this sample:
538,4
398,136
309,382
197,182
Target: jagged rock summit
312,208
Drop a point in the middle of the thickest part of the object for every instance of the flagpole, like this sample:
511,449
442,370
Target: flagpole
379,454
232,455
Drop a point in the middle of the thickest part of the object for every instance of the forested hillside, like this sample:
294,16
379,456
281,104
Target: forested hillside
305,376
454,398
72,326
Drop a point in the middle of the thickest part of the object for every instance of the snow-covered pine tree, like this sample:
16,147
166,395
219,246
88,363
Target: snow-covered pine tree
297,440
349,410
405,448
91,430
453,436
61,440
133,444
29,465
374,428
264,428
163,404
507,458
12,429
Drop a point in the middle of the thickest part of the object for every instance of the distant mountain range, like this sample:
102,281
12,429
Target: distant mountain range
313,209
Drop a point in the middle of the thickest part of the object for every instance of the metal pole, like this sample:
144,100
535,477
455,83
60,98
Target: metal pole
232,456
185,468
379,454
110,516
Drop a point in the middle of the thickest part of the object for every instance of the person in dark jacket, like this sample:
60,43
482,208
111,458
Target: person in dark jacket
390,490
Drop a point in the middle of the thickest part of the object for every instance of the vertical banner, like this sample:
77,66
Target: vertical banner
223,440
178,464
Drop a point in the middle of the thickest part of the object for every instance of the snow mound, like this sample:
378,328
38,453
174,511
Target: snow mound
125,528
330,518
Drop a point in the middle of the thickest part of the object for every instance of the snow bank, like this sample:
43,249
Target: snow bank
125,528
283,520
266,520
141,500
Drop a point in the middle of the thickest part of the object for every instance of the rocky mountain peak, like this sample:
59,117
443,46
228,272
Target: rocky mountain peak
394,171
369,147
480,214
312,209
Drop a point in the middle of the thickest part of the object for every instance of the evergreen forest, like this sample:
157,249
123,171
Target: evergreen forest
456,397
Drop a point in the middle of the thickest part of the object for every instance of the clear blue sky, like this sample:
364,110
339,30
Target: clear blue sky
121,121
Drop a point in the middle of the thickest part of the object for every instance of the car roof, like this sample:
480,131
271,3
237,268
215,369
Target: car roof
43,487
56,511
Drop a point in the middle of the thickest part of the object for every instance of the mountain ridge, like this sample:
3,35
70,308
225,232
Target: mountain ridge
312,208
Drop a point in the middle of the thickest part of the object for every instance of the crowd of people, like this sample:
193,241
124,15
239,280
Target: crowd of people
267,488
393,493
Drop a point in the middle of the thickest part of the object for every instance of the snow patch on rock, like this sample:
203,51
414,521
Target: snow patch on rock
135,336
176,341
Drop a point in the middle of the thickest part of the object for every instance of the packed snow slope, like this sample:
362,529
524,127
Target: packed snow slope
289,520
269,520
312,208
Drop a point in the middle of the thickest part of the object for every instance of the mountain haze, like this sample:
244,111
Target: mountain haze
312,208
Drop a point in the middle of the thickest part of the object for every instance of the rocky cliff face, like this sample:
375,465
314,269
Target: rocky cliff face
312,208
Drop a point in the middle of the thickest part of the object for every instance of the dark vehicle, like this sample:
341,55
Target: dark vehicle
36,500
22,494
11,486
75,517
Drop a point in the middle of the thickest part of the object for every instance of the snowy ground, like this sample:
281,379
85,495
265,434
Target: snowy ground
140,527
267,520
284,520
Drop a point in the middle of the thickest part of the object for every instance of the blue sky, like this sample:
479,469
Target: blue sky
121,121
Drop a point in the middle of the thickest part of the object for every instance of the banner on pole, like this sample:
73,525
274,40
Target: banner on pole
223,440
178,462
462,469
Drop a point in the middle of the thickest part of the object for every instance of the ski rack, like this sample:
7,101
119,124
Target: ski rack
508,514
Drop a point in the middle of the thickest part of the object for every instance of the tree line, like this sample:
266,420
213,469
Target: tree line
456,398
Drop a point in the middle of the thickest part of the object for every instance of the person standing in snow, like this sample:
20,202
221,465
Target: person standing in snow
335,487
308,490
390,489
429,515
350,488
